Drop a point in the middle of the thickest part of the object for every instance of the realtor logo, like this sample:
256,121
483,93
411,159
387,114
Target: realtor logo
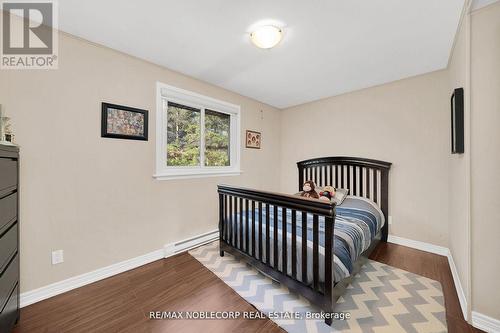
29,35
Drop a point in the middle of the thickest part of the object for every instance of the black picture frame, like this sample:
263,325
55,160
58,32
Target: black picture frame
457,121
105,109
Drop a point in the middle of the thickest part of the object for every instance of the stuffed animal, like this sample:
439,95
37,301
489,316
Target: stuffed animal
308,190
325,196
327,193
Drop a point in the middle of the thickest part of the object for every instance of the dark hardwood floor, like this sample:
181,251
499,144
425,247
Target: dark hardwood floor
122,303
432,266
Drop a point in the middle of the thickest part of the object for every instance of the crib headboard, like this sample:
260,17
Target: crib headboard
363,177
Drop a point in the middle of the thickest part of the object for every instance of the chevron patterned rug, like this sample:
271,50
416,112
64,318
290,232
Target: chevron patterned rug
381,298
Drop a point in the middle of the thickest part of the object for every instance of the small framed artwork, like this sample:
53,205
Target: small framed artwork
457,121
253,139
123,122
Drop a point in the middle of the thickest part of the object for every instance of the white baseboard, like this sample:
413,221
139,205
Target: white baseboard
458,286
63,286
442,251
485,323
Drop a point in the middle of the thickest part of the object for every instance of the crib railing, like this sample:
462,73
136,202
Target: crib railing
361,176
249,226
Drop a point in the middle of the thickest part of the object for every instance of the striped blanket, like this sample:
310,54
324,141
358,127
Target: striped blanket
357,222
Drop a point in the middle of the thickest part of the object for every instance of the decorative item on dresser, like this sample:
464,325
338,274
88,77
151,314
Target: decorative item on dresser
9,237
6,135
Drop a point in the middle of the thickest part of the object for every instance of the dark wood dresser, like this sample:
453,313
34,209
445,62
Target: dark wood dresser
9,237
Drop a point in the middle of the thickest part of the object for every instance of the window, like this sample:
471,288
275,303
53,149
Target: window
183,135
217,139
197,136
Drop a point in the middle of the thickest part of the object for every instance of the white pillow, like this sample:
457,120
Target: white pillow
340,195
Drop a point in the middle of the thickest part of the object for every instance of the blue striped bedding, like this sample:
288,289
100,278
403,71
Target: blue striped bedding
357,222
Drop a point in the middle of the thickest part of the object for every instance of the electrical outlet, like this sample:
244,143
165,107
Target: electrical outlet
57,257
390,220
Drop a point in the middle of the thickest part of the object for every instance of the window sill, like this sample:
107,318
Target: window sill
197,174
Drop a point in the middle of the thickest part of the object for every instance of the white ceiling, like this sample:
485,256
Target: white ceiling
478,4
330,46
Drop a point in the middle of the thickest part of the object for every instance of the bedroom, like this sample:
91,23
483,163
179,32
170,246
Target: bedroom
110,229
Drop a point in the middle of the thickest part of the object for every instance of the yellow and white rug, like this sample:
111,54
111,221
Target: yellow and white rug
381,298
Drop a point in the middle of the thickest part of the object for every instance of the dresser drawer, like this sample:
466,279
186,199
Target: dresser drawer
8,279
8,170
8,246
9,314
8,210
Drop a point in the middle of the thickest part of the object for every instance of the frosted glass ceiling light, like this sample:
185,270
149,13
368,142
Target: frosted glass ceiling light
266,37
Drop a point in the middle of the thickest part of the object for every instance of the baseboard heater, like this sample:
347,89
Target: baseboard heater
188,244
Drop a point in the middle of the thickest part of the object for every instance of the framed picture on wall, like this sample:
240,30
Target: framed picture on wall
457,121
123,122
253,139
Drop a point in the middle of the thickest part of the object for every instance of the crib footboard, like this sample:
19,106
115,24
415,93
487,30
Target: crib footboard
270,231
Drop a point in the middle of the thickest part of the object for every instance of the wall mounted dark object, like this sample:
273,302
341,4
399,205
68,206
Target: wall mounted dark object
457,121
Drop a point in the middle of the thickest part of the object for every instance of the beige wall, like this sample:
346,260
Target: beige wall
485,153
404,122
95,198
458,176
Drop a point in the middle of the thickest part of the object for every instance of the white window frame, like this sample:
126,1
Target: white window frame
168,93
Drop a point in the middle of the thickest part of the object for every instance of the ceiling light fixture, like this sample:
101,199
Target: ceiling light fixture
266,37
